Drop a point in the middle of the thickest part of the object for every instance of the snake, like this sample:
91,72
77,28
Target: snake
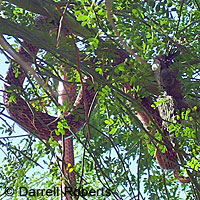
39,123
166,79
43,125
169,159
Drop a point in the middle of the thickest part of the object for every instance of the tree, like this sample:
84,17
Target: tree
135,112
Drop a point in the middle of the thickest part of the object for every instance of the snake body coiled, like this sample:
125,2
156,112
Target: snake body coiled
39,123
42,124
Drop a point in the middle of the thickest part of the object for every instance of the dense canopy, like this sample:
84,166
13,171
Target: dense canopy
115,44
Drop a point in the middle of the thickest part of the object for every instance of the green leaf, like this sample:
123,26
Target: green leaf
135,12
113,131
82,17
101,12
57,132
109,122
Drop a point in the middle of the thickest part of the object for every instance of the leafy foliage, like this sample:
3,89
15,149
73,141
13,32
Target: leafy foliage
119,157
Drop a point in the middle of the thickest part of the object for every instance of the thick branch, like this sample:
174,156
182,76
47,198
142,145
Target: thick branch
26,66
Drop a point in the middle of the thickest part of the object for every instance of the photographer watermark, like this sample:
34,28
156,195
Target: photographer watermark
55,191
24,191
87,192
6,191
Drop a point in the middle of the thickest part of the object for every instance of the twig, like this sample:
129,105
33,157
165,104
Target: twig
179,15
198,6
138,169
118,154
192,178
149,180
97,165
83,165
119,37
165,185
15,136
13,148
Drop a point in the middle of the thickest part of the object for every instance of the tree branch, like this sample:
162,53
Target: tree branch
25,65
119,37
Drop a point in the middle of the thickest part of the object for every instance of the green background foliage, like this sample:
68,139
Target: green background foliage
119,156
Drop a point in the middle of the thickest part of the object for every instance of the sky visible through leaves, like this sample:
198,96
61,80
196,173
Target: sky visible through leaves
18,131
